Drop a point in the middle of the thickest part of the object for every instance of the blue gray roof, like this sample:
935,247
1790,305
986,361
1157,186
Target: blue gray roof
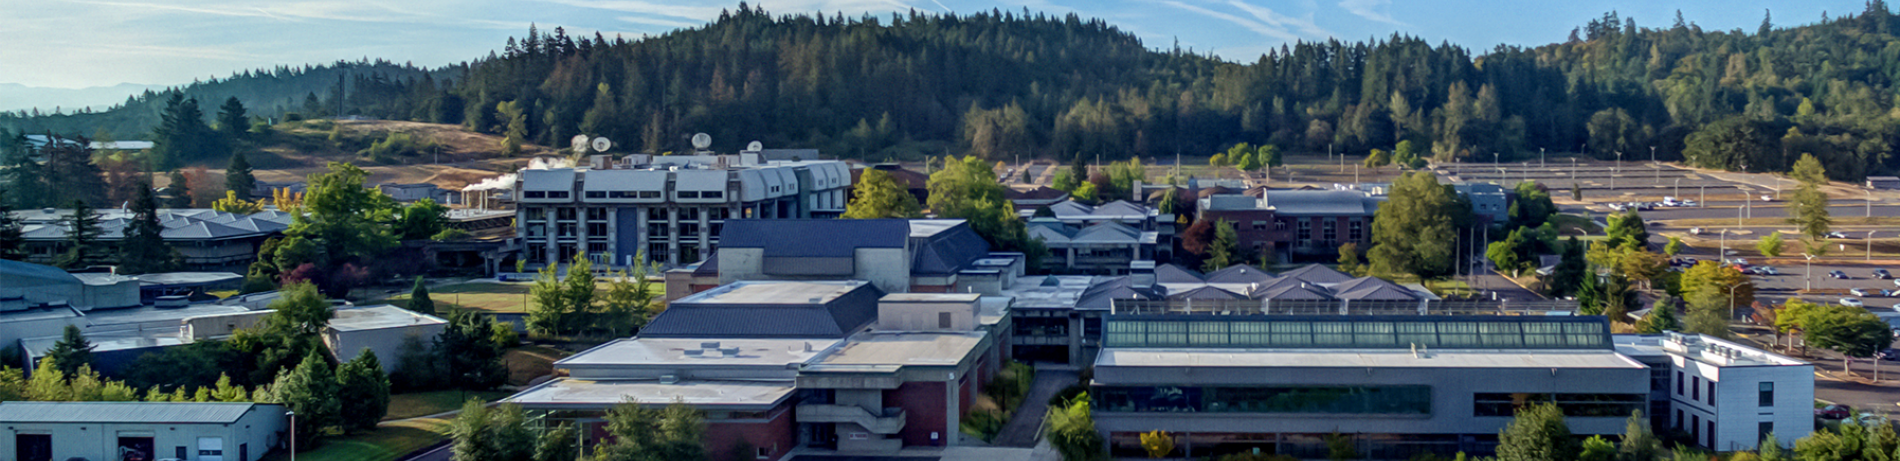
17,273
770,310
814,238
1239,273
1314,273
1320,203
948,250
130,412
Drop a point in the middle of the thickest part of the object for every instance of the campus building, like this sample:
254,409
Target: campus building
1099,239
1762,392
199,431
778,365
897,255
670,208
205,238
1295,224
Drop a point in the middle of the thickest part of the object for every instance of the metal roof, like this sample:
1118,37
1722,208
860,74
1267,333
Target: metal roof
1239,273
949,250
835,238
770,309
15,273
1314,273
128,412
1320,203
1356,332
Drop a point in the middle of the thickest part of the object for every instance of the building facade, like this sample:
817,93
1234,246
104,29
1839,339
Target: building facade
1295,224
669,208
186,431
1761,392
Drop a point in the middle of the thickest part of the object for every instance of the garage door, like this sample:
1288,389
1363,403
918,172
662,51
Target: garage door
210,449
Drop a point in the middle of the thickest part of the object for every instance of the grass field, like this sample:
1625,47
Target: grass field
415,404
487,297
387,442
1569,224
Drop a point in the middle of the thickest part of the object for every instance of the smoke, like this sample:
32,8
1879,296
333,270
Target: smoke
507,181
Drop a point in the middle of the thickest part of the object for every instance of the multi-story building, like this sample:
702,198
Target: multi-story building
898,255
204,238
1762,392
669,208
1296,224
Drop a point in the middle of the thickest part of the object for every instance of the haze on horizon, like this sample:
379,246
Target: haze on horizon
92,43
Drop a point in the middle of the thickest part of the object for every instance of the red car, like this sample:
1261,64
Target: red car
1832,412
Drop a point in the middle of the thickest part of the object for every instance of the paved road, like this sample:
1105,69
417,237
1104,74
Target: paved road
1021,431
1492,282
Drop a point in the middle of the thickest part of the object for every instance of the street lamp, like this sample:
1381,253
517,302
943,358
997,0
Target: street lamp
1653,166
1810,275
1870,245
1731,301
1540,157
1678,188
1614,169
293,434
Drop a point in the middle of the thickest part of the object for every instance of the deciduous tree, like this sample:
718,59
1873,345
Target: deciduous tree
877,195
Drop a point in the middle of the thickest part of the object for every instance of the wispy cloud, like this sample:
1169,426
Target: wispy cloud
1305,26
659,21
644,7
1249,24
1374,10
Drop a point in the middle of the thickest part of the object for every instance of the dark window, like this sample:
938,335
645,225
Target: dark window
764,453
1259,225
537,214
596,229
1695,428
718,214
1679,381
620,194
1306,231
1695,388
656,214
1711,392
564,214
596,214
596,194
688,194
689,229
180,452
1328,231
1602,405
1411,400
1766,396
1279,225
567,229
1762,429
649,194
713,194
596,247
33,447
1354,231
656,230
943,320
657,252
534,194
557,194
1711,424
1678,422
689,214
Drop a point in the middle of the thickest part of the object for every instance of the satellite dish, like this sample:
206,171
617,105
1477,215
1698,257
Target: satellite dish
702,141
755,146
579,143
601,144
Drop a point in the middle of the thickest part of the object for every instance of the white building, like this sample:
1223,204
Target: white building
381,329
49,431
1760,392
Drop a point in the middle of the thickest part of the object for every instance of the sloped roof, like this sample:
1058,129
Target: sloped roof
1170,273
1314,273
1239,273
1372,288
770,309
834,238
1206,292
1102,293
1320,203
28,274
1050,231
127,412
1037,193
1294,290
947,251
1108,232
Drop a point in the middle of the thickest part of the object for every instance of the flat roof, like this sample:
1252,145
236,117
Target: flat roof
157,314
1369,332
674,351
32,315
1701,348
116,339
1049,292
1363,358
774,292
380,317
873,348
590,393
126,412
932,297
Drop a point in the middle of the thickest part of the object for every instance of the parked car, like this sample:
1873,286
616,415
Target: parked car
1852,302
1871,420
1896,282
1888,354
1767,198
1837,274
1767,270
1835,412
1857,292
1882,274
1688,203
1695,231
1836,235
1616,207
1738,261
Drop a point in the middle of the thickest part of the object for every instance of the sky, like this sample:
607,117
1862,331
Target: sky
90,43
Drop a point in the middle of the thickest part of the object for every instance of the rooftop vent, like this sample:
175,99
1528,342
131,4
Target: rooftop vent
669,379
709,345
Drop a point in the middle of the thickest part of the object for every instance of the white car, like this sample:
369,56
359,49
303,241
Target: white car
1852,302
1766,270
1689,203
1857,292
1767,198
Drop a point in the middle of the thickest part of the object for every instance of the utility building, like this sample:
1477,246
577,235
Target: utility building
193,431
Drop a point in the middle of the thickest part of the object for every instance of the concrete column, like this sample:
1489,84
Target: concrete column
613,237
672,236
951,393
580,230
705,231
640,233
1075,339
550,226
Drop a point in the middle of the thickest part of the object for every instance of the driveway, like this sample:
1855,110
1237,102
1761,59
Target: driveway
1021,430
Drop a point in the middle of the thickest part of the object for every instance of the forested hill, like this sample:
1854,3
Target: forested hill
266,92
1004,83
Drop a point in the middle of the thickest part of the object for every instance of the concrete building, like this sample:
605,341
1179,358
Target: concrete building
1762,392
186,431
1295,224
783,365
670,208
406,193
380,329
1489,202
1397,386
897,255
27,286
207,239
1103,239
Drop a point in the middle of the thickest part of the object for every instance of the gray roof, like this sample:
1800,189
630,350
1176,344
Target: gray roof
814,238
1206,292
1170,273
1314,273
16,273
128,412
1102,292
1320,203
1239,273
176,224
754,311
1372,288
948,250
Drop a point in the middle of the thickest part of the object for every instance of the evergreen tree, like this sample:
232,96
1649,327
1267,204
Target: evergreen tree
1413,232
1221,252
470,353
180,191
143,249
82,238
1659,319
1770,245
362,391
309,390
1809,208
12,242
233,121
1538,433
71,352
1571,272
419,301
238,178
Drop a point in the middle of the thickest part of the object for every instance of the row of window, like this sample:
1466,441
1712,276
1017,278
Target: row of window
645,194
1378,400
1602,405
1764,391
653,214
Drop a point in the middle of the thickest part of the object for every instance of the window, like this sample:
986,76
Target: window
620,194
1306,231
557,194
689,229
688,194
1259,225
1679,383
1355,231
943,320
718,194
1597,405
718,214
564,214
1695,428
657,230
1762,429
1677,423
657,214
763,453
1711,392
596,214
1389,400
689,214
596,247
1695,388
596,194
1766,394
658,252
596,229
537,214
1711,431
649,194
1279,225
566,229
1328,232
534,194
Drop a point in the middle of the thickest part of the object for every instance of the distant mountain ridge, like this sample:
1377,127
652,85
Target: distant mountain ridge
18,97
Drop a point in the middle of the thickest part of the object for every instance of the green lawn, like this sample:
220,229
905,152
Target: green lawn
387,442
414,404
491,297
1449,288
1566,223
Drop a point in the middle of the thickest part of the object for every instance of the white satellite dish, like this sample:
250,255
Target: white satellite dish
579,143
755,146
601,144
702,141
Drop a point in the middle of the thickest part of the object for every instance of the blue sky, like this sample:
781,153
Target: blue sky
85,43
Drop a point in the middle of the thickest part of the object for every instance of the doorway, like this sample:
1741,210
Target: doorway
33,447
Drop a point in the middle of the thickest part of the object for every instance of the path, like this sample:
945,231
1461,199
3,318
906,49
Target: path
1022,429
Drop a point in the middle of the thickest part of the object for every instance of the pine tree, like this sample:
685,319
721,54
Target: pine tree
180,191
71,352
238,178
233,121
1221,252
82,238
143,249
419,301
12,242
309,390
363,392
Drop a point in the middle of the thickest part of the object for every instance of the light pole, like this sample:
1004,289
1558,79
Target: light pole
1705,197
1614,168
1731,301
1540,157
1653,166
1870,203
1810,275
1870,245
1721,255
293,434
